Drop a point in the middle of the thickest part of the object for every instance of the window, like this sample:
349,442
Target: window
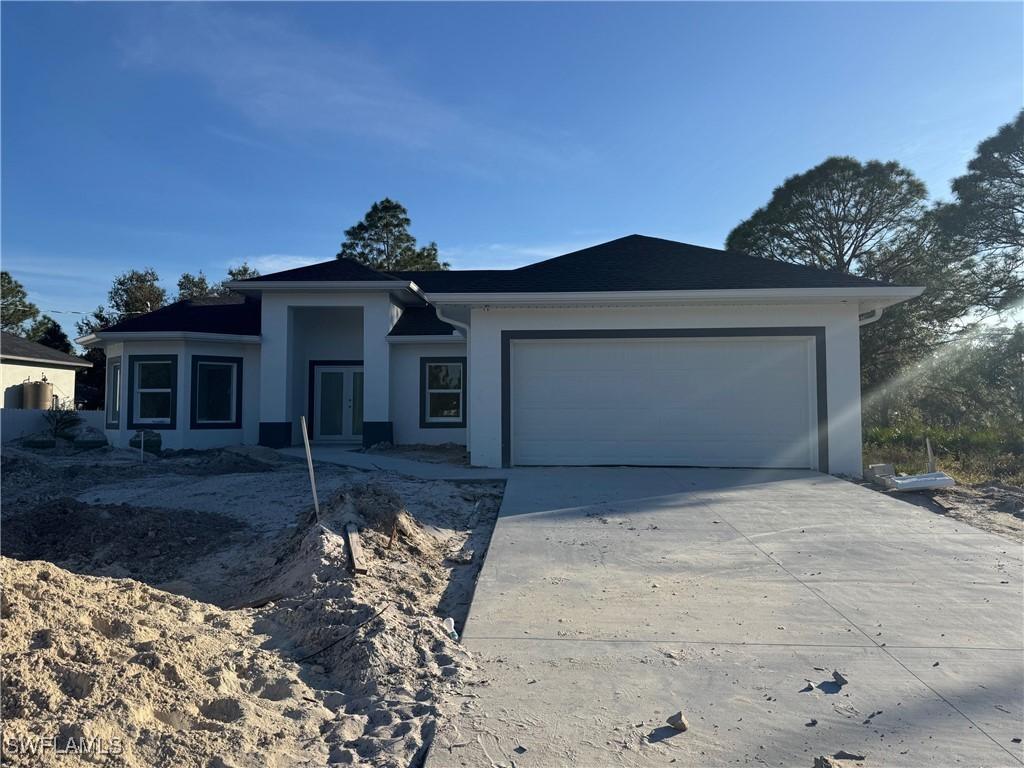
216,392
442,392
113,392
152,382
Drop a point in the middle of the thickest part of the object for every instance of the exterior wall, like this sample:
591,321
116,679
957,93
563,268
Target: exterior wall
183,436
842,339
14,372
285,339
405,393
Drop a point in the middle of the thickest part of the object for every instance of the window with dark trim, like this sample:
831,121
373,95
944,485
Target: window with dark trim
113,393
442,392
216,388
152,391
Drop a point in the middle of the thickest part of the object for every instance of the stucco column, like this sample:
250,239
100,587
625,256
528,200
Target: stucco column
275,374
378,319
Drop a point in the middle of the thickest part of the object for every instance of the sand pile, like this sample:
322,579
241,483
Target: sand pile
375,638
312,667
113,666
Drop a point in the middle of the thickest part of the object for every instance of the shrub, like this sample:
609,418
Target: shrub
62,420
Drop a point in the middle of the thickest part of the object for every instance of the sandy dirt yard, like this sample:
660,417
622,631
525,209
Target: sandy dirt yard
192,611
994,507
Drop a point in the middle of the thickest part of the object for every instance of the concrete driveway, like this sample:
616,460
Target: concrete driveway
611,598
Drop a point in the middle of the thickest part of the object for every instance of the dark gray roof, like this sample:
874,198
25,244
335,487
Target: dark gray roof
335,270
638,263
421,321
15,346
231,314
632,263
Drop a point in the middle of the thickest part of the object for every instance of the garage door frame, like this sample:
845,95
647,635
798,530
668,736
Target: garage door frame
817,333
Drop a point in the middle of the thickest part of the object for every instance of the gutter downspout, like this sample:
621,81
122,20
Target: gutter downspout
469,347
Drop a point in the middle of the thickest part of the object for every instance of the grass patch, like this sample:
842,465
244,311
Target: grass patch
970,456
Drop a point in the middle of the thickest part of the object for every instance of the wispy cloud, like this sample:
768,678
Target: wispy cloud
508,255
276,262
238,138
283,80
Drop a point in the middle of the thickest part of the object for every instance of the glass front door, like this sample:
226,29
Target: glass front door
338,403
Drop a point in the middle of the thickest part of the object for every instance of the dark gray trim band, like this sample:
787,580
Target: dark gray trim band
132,360
275,434
813,331
375,432
193,417
424,423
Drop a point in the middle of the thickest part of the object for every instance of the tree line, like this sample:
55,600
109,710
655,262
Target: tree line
934,359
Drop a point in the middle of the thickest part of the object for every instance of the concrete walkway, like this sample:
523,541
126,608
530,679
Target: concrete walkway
349,457
611,598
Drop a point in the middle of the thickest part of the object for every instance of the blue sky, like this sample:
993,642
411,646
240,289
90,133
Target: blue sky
189,136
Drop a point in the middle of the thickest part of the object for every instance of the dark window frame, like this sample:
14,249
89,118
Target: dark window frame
425,362
113,423
197,360
133,360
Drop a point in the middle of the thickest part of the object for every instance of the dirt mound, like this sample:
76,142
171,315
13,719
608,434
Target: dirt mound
312,666
216,462
149,677
376,637
115,539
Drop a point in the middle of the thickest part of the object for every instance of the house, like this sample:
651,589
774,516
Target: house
637,351
26,362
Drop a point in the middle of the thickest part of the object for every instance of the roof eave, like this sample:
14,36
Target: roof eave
427,338
320,286
873,296
102,337
44,361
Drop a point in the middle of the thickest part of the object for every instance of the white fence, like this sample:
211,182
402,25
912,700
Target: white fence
18,422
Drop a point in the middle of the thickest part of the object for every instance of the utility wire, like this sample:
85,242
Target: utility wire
68,311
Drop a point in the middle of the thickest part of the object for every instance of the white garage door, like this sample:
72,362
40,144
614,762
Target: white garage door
711,402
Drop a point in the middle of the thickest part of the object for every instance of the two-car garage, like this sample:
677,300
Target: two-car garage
720,398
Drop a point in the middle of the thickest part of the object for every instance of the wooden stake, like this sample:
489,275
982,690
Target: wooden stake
355,546
931,456
309,462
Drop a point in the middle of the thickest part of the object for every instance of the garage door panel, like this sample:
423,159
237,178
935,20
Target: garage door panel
711,402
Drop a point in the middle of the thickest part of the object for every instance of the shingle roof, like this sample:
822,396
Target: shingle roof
632,263
231,314
638,263
15,346
335,270
421,321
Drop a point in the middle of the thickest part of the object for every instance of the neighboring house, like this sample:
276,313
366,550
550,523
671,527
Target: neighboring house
637,351
24,361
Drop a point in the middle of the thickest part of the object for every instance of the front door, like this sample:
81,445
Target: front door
337,403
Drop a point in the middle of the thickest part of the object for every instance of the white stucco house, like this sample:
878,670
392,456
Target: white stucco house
638,351
24,362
